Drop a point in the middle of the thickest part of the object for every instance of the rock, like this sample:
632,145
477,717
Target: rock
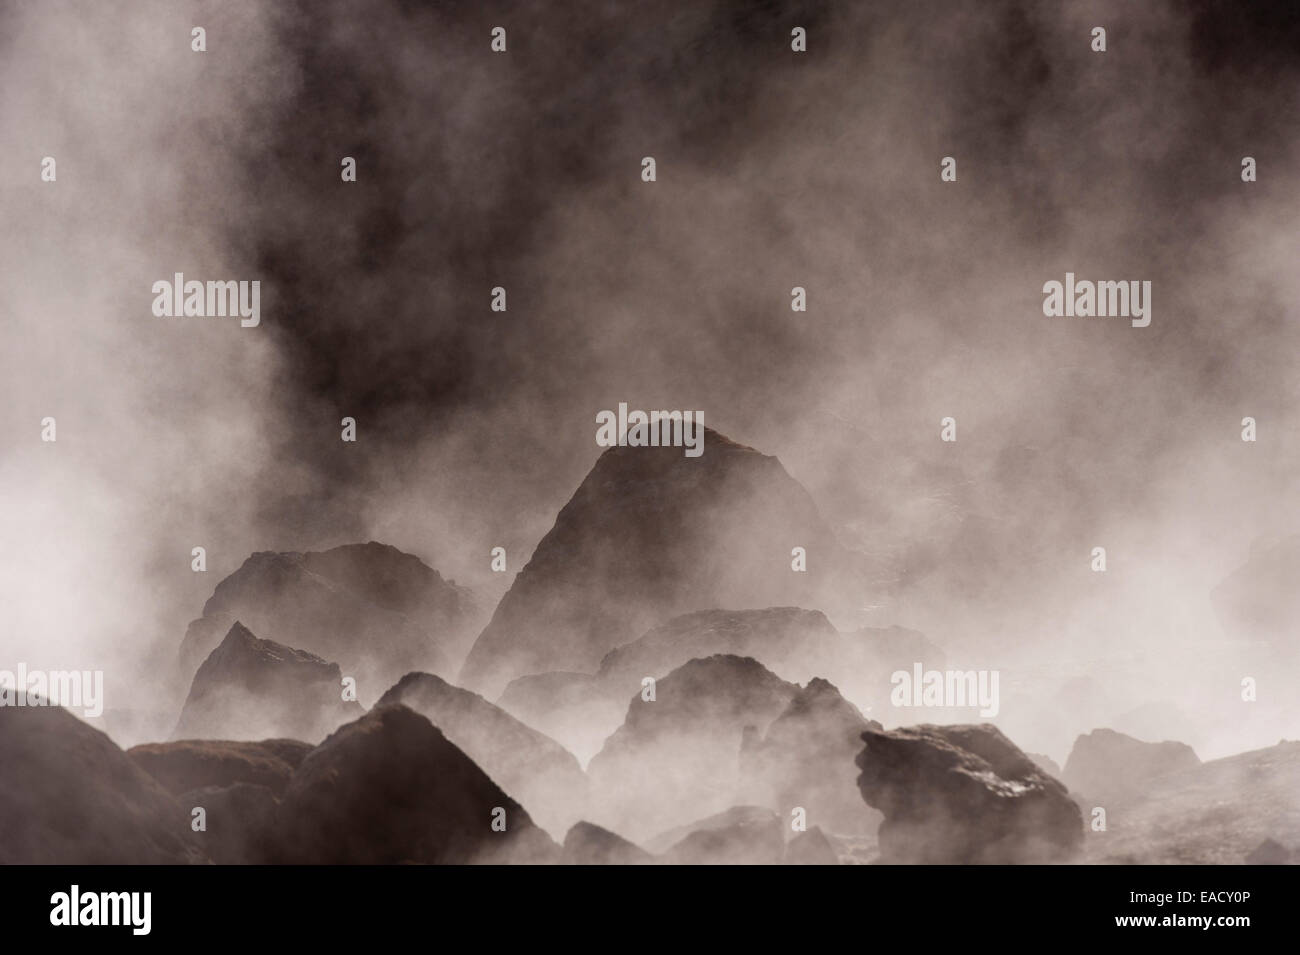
197,764
391,788
539,771
743,835
589,844
1271,852
810,848
1106,765
572,708
1046,764
241,821
805,759
797,645
648,535
377,611
70,796
1214,813
964,795
678,757
250,689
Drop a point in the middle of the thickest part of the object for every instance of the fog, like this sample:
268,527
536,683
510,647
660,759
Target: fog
774,170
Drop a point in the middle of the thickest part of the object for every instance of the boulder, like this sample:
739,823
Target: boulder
964,795
250,688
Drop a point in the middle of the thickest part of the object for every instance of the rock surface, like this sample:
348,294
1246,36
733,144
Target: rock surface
677,757
196,764
742,835
964,795
805,759
810,848
70,796
539,771
391,788
1105,764
651,534
376,610
589,844
250,688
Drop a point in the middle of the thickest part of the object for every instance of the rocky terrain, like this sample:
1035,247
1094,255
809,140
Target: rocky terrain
964,795
539,771
651,534
249,688
378,612
70,796
1105,765
797,645
678,758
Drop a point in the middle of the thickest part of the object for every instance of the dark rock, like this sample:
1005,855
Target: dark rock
377,611
391,788
964,795
539,771
589,844
70,796
250,688
196,764
1107,765
240,820
651,534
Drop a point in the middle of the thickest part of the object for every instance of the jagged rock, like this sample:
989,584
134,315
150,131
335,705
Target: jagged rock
524,762
377,611
240,821
797,645
1105,764
250,689
69,796
391,788
197,764
810,848
589,844
742,835
648,535
678,757
805,759
964,795
1270,852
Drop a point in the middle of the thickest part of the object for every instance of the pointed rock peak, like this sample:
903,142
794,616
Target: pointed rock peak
242,643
